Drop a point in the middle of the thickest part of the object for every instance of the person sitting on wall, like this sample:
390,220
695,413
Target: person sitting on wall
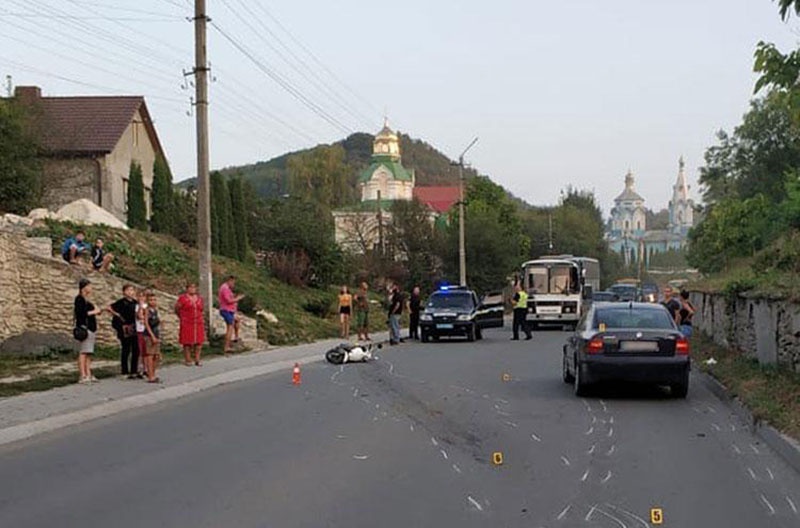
101,261
74,247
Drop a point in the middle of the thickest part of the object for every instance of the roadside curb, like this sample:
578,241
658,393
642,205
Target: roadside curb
785,446
27,430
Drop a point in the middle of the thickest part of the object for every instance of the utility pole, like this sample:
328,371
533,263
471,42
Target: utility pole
462,250
203,184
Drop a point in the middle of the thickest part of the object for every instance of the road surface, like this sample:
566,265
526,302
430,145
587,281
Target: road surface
408,440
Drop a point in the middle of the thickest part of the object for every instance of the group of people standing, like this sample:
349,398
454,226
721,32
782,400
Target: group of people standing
680,308
358,305
138,326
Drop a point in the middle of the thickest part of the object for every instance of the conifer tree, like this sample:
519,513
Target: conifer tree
137,209
163,218
239,217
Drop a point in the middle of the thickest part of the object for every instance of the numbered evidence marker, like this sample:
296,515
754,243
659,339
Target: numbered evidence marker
656,516
602,327
497,458
506,376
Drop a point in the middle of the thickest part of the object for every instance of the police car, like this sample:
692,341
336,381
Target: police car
456,311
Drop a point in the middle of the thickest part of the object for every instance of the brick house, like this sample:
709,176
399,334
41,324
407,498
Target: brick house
89,143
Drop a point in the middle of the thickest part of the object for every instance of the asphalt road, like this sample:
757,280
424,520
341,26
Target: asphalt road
408,440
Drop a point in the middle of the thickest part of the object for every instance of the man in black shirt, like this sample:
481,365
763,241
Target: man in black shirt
124,322
672,304
395,311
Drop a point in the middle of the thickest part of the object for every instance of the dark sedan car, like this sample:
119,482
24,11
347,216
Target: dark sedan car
604,296
626,292
455,311
636,342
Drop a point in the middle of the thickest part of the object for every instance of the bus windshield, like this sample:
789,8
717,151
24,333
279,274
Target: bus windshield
551,279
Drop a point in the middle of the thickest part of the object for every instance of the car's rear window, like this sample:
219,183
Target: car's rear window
632,318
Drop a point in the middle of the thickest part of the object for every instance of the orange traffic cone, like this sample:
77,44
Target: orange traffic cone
296,374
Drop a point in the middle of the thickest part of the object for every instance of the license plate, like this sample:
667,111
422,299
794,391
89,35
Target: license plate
546,310
638,346
444,326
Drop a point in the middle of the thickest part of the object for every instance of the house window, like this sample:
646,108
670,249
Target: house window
125,194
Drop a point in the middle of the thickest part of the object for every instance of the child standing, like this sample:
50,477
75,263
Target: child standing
152,322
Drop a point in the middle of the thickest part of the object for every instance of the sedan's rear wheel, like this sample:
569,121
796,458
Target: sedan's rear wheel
580,387
680,389
565,374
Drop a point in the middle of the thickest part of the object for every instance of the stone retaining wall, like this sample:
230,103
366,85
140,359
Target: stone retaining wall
764,329
37,293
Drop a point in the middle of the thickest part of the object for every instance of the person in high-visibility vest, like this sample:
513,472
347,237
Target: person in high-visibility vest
520,303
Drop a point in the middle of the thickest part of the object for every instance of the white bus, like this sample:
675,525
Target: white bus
558,287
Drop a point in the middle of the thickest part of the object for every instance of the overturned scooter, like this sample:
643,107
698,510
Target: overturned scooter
350,353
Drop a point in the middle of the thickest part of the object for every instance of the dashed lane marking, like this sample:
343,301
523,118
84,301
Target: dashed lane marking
475,503
629,514
611,450
769,506
511,424
755,449
752,474
791,505
589,431
736,449
603,405
585,476
565,460
716,427
536,437
564,512
771,476
444,453
610,432
591,449
606,478
434,442
456,469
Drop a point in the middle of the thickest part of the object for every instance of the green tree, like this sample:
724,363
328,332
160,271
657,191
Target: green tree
223,240
413,237
20,171
163,218
137,209
185,207
322,175
239,214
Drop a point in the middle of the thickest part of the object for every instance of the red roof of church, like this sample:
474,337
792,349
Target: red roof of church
440,199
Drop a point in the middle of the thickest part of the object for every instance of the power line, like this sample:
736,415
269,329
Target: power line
294,92
163,18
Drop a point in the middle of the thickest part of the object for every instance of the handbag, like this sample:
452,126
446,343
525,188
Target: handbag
128,330
80,333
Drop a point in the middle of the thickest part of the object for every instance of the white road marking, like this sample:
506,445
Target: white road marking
768,505
355,392
475,503
588,407
752,474
366,400
710,408
456,469
536,437
589,515
755,449
564,512
603,404
565,460
391,368
736,449
434,442
503,413
591,449
594,419
585,476
485,396
361,457
697,410
733,428
629,514
771,476
341,437
411,426
615,519
610,432
716,427
611,420
589,431
444,453
377,405
606,478
791,505
611,450
501,400
511,424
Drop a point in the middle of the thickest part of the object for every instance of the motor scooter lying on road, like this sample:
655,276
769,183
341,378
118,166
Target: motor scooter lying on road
351,353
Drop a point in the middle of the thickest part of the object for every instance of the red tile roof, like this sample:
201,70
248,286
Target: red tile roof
87,124
440,199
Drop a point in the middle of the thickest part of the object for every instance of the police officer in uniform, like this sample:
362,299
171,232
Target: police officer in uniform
520,302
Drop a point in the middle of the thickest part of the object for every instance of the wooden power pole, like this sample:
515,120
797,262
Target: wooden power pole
203,184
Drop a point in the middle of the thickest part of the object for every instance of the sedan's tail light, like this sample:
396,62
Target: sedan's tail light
682,346
595,346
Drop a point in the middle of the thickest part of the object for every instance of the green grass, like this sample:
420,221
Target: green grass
771,393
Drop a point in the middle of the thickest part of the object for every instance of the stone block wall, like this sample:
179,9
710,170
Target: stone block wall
37,293
765,329
69,179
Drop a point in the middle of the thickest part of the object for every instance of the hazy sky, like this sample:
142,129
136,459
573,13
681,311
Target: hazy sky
559,92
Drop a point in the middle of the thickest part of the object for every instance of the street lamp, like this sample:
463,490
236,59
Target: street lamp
462,252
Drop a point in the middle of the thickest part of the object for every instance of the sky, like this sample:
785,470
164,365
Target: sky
558,93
